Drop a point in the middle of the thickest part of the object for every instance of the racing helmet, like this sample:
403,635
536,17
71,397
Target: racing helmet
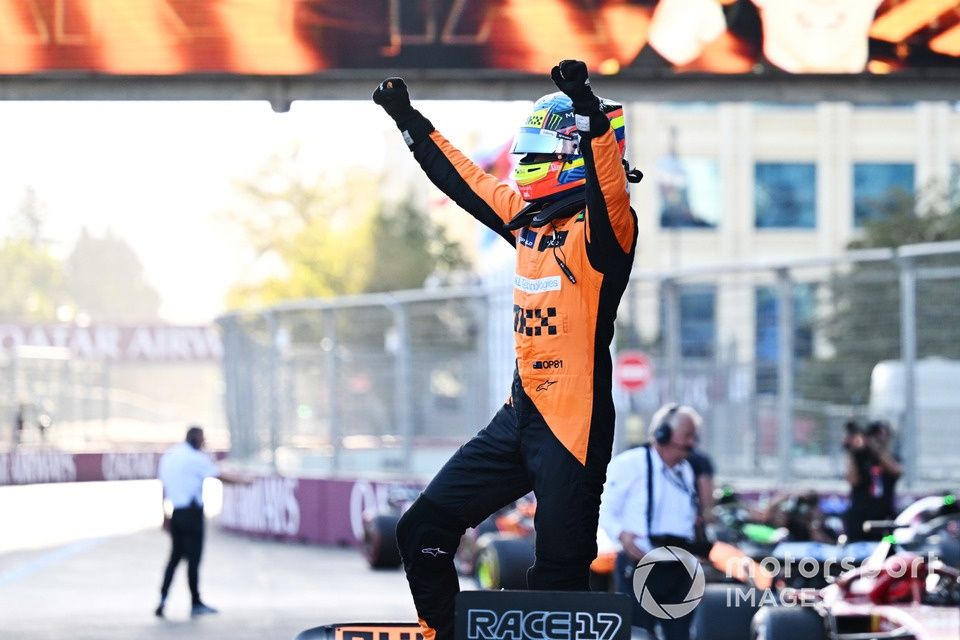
549,144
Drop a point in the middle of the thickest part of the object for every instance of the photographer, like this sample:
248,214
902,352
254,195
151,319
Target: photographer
872,471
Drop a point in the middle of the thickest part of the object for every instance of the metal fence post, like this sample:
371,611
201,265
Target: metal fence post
67,396
908,358
332,344
274,410
403,384
671,336
229,381
785,355
105,392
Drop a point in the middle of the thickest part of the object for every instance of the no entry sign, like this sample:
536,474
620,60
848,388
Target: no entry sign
633,370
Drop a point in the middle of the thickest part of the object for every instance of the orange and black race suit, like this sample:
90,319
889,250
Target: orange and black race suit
555,435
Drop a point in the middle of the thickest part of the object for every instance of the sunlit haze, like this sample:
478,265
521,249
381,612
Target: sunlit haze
163,175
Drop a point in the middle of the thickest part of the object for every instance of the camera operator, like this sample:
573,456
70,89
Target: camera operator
872,471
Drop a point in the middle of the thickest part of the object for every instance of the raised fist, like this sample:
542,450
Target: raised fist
392,95
571,77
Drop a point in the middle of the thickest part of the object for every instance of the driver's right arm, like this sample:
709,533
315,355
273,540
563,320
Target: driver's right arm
482,195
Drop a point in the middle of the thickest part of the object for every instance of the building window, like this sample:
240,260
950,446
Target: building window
698,321
690,195
767,346
786,195
877,187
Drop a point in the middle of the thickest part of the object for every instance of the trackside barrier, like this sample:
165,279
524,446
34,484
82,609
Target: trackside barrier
330,511
43,466
314,510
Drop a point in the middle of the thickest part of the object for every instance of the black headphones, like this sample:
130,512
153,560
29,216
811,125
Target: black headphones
664,430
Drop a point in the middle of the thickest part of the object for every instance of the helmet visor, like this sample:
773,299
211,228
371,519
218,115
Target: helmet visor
536,140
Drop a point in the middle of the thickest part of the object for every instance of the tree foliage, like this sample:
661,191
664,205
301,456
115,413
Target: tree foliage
333,235
101,278
105,280
408,247
862,319
33,278
32,281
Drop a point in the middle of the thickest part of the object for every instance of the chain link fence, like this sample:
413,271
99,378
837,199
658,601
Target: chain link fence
777,357
374,384
62,398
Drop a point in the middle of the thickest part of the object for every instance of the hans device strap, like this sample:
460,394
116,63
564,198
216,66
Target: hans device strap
534,216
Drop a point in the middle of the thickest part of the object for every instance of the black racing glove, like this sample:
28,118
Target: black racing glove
571,77
392,95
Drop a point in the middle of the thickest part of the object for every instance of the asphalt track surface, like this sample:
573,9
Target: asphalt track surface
105,587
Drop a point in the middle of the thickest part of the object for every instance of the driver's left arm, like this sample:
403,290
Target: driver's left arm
611,223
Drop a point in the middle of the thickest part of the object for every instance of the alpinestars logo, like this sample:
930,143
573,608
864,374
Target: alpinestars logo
483,624
434,551
544,386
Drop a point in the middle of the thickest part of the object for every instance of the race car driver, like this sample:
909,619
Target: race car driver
575,235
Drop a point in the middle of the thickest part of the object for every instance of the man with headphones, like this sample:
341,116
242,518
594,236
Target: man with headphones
649,501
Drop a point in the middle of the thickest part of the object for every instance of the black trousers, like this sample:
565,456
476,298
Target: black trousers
186,533
513,455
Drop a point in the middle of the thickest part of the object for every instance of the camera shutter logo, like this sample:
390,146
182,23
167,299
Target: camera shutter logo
668,611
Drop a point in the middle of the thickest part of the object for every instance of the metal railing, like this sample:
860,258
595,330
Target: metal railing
777,356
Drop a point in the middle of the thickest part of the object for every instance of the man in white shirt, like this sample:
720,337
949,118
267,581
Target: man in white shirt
182,470
650,500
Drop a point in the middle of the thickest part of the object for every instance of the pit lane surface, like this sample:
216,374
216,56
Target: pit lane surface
80,581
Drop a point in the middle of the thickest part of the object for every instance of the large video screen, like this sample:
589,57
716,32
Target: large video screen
628,37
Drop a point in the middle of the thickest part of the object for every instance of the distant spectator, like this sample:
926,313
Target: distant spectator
183,468
872,471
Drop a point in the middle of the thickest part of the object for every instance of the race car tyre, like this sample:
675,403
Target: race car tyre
380,542
503,563
788,623
725,612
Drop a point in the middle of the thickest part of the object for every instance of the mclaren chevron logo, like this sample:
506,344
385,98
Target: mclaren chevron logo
545,386
435,551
